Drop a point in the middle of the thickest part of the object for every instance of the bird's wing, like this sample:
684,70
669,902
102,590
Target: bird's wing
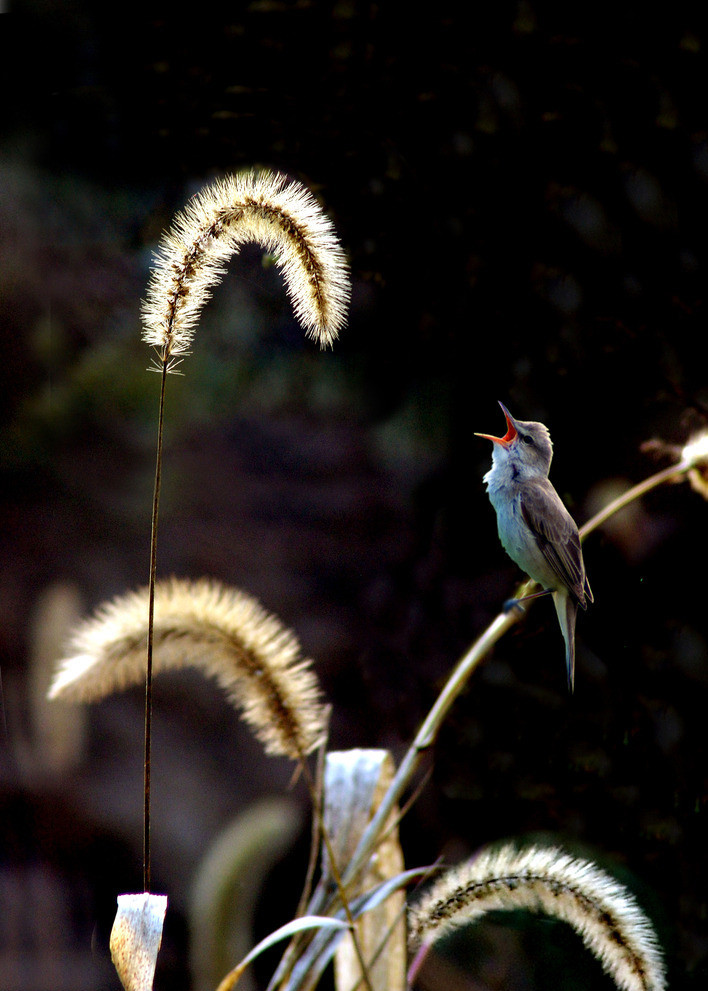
556,535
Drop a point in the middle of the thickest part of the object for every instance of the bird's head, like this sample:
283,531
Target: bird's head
526,443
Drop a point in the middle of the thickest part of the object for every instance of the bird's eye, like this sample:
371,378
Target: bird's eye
527,439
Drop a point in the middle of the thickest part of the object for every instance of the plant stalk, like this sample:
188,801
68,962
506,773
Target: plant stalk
150,633
428,731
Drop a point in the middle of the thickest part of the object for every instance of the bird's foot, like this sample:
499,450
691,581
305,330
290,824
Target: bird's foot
516,603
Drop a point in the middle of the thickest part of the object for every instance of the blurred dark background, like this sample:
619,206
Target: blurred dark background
522,191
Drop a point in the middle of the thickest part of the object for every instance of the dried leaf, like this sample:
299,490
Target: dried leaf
289,929
355,783
136,937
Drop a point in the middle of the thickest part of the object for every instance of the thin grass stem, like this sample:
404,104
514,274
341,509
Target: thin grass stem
336,875
430,727
673,473
150,631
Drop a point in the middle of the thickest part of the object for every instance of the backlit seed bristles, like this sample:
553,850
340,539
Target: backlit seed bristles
603,913
222,631
695,455
284,218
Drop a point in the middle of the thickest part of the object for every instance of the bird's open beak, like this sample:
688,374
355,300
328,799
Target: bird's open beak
511,431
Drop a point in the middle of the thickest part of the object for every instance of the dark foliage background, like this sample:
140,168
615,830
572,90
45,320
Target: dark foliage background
522,189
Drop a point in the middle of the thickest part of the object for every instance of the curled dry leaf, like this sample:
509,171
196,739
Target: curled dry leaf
355,782
135,939
284,932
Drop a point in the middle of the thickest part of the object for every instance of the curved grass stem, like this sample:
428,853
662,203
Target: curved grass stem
671,474
430,727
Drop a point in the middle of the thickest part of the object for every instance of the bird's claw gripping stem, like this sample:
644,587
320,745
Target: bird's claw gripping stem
516,603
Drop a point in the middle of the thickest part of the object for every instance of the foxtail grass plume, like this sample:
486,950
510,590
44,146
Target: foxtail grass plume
695,454
222,631
280,215
603,913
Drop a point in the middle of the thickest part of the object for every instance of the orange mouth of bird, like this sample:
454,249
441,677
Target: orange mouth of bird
509,436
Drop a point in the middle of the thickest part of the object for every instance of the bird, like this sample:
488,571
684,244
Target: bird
536,530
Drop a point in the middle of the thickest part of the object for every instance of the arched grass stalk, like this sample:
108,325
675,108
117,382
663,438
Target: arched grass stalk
693,464
281,216
284,218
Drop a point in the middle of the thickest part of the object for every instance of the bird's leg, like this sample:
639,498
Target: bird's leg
516,603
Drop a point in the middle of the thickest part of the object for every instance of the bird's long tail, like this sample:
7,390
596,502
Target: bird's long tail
567,610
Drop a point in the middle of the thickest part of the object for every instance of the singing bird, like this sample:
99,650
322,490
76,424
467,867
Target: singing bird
535,528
